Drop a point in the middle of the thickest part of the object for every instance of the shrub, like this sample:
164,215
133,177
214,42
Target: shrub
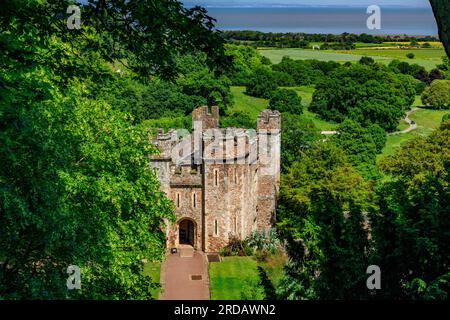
410,55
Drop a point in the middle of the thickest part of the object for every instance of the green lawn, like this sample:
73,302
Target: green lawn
427,120
242,102
228,277
153,269
429,58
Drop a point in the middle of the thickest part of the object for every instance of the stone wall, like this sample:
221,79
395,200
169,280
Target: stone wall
233,197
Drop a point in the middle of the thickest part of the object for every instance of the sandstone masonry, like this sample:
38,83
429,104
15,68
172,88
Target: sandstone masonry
223,182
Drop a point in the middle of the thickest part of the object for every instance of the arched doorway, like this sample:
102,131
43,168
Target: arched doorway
186,230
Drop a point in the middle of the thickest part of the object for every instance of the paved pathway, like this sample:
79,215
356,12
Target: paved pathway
412,126
176,279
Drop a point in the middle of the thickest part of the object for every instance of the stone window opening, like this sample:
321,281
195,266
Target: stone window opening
178,200
194,200
235,175
216,177
216,228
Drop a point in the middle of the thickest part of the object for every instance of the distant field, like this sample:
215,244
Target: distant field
429,58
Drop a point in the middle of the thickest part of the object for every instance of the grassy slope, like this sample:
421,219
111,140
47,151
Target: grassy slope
227,277
429,58
242,102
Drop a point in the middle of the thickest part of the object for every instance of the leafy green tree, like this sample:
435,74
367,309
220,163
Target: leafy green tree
299,134
261,84
144,36
245,60
367,60
437,95
304,72
360,146
321,216
286,100
75,184
366,94
411,229
441,9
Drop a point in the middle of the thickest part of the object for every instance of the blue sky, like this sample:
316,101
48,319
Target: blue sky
409,3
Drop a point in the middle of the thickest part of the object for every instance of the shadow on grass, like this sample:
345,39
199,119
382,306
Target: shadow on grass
269,289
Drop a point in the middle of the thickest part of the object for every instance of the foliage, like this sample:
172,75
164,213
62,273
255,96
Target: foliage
286,100
321,212
252,290
437,95
360,144
411,229
145,36
75,186
410,55
299,134
237,119
261,84
245,60
368,95
305,72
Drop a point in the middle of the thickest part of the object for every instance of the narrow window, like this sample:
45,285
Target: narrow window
216,228
216,177
235,225
235,175
194,200
178,200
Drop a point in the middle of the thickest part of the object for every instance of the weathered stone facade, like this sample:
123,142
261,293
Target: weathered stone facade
223,182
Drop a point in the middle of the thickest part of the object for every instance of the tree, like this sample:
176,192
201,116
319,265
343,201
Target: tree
441,9
366,94
321,217
286,100
75,185
437,95
359,145
261,84
299,135
144,36
367,60
411,229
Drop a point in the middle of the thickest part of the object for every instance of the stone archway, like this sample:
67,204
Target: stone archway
186,232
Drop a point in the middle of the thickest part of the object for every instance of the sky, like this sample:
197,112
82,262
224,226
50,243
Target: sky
409,3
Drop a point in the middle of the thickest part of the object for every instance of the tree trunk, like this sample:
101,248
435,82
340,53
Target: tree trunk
441,9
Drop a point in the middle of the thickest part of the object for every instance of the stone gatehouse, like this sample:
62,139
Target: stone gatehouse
223,182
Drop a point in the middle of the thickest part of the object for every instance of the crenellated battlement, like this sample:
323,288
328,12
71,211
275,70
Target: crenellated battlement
269,120
208,118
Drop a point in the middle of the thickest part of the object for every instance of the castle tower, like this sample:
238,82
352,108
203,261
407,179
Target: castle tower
269,149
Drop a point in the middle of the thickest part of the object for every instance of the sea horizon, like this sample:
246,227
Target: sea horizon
323,19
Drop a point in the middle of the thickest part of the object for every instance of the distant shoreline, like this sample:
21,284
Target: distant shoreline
411,21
